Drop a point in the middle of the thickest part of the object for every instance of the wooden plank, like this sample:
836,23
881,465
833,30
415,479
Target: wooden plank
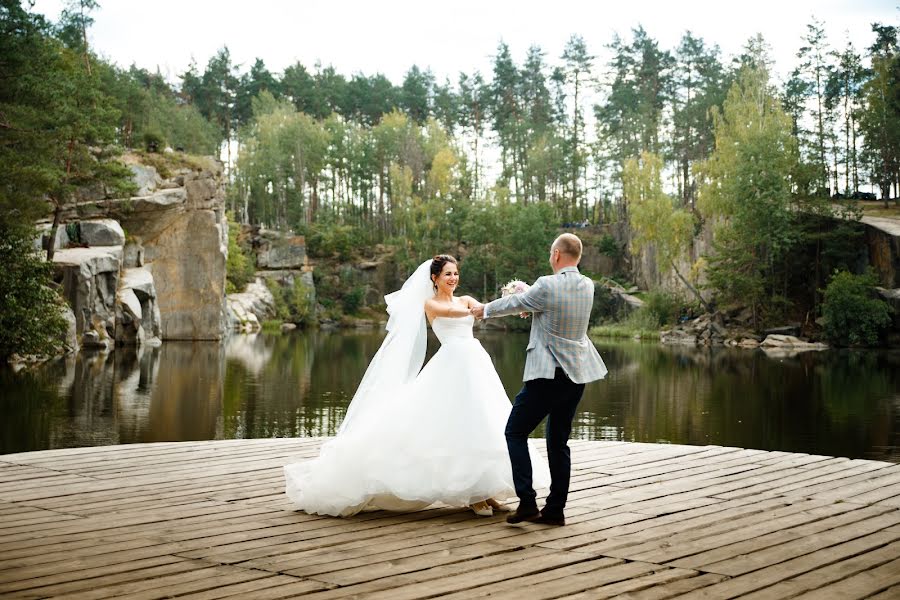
619,589
172,585
517,564
135,572
593,580
261,590
518,584
663,526
687,541
235,517
511,562
861,585
276,586
134,521
22,579
737,559
891,593
673,589
835,564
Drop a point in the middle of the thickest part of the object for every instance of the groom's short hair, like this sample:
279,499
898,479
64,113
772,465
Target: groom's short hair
568,243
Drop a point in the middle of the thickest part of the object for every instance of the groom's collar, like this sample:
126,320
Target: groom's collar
568,270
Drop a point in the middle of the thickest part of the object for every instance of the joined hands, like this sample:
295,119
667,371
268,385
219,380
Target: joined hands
477,311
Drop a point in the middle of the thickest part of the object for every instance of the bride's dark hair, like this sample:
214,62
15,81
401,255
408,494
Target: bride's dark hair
437,265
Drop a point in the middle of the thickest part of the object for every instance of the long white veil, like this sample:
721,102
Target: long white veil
402,352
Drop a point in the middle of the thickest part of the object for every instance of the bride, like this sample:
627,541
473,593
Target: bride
410,438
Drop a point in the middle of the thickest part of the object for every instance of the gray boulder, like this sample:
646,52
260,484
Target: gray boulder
146,178
71,343
248,309
102,232
90,279
678,337
134,254
282,253
61,240
791,342
137,312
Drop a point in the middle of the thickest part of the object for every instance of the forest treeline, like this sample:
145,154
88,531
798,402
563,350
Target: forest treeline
489,164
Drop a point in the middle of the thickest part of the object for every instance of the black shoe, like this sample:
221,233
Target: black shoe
550,520
523,514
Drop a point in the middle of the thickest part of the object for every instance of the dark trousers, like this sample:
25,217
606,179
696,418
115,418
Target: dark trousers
557,400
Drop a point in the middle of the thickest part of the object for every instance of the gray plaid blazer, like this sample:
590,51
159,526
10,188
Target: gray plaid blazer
561,308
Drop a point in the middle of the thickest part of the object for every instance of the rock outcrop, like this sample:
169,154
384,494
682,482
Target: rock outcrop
138,319
180,236
280,260
248,309
709,330
177,232
276,251
883,242
90,280
101,232
165,278
790,341
718,329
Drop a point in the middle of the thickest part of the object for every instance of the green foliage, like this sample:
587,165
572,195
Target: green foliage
746,188
879,121
653,217
663,306
352,300
338,289
167,164
606,307
56,118
639,324
180,125
332,240
241,264
30,310
280,165
153,141
504,242
293,302
608,246
854,315
271,326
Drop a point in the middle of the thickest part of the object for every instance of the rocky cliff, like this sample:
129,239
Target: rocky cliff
280,259
151,267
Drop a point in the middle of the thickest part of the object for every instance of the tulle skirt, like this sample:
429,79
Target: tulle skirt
438,439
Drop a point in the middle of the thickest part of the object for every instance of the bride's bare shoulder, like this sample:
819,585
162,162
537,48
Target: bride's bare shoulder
431,307
469,301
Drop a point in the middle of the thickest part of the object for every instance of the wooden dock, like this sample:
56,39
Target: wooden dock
203,520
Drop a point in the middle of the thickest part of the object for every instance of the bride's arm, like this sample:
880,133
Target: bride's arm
437,309
469,301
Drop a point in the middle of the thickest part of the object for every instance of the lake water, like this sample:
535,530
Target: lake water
841,403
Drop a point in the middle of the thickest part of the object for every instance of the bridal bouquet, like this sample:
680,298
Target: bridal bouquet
515,287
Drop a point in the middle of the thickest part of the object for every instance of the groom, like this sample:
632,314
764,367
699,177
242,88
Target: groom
560,360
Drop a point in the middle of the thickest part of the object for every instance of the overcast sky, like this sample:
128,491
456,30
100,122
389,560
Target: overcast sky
390,36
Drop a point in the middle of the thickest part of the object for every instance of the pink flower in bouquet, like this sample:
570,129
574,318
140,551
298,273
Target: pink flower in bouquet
515,287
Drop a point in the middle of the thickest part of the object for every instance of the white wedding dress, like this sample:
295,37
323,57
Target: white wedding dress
438,438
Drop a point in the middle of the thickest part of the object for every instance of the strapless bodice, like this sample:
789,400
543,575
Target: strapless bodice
449,329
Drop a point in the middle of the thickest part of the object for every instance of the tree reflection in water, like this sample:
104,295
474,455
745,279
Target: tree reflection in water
843,403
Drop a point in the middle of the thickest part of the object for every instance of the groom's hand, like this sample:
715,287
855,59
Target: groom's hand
477,311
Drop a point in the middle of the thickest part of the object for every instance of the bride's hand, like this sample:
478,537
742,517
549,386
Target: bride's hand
477,310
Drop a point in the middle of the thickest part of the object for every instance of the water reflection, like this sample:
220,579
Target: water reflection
844,403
